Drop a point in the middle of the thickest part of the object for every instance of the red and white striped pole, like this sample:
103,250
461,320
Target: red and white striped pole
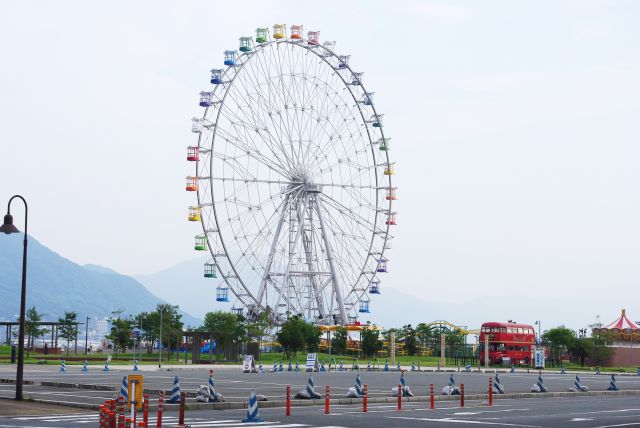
121,410
327,396
462,395
145,410
183,399
364,399
160,408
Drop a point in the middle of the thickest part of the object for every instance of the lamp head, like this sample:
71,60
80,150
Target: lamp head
8,226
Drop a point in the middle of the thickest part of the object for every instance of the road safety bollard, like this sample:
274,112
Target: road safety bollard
326,400
102,416
121,421
160,408
364,399
432,397
127,422
183,399
288,401
121,410
400,397
145,409
462,395
490,391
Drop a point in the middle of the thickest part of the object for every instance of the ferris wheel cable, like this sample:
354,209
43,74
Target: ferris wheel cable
255,153
241,80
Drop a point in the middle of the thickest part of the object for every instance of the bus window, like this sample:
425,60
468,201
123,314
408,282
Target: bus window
503,330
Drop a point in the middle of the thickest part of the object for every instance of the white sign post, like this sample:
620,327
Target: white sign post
539,358
249,365
312,363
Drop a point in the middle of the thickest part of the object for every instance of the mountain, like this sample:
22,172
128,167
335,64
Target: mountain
56,285
185,285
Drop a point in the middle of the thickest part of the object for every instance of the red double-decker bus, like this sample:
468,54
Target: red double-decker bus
507,339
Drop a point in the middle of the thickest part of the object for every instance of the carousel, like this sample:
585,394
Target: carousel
623,329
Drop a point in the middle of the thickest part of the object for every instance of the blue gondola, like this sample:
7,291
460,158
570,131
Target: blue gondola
230,58
364,306
216,76
222,294
374,288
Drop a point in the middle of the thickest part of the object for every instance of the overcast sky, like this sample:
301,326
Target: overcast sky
515,128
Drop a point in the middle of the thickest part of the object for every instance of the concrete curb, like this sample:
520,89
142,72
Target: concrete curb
354,401
78,386
13,381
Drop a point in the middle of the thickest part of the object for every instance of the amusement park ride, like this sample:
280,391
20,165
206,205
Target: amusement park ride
293,180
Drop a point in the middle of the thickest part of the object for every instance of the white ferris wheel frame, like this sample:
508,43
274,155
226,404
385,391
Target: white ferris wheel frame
305,198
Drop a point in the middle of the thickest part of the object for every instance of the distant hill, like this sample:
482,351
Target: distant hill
56,285
185,285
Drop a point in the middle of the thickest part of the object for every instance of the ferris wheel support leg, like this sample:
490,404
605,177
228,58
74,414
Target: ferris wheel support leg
272,252
314,284
287,273
334,276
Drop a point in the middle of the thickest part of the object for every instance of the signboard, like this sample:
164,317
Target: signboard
312,363
139,388
538,358
249,365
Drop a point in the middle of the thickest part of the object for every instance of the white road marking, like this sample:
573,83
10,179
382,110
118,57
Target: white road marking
619,425
580,419
463,421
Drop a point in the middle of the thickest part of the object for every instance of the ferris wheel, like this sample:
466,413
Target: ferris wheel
293,180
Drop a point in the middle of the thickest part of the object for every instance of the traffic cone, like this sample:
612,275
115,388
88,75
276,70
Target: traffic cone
253,411
322,368
106,366
497,385
577,384
297,366
413,366
612,384
563,370
84,366
467,367
135,365
124,389
358,386
275,367
280,367
175,392
213,397
398,366
341,366
289,367
369,366
63,367
311,390
513,368
386,366
452,382
540,384
260,368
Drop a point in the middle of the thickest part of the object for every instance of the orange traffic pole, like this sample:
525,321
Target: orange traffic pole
183,398
288,406
462,395
399,397
364,399
326,400
145,410
160,408
432,397
490,391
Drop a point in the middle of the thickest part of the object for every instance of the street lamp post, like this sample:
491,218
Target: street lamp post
539,336
7,228
160,342
86,338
